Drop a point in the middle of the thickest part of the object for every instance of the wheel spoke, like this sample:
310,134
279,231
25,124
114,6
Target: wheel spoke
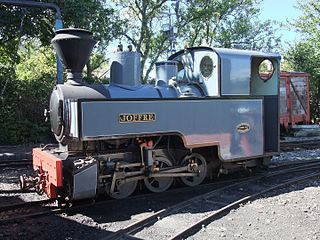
151,180
202,167
126,189
160,184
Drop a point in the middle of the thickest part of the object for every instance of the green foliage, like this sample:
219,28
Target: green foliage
308,23
26,96
31,73
37,61
143,29
304,56
229,23
92,15
38,23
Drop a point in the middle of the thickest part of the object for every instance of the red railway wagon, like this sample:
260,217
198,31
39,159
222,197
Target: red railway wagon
294,99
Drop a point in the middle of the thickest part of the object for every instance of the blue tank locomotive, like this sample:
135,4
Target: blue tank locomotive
209,111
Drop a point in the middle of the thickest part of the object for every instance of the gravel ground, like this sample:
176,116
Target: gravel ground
296,156
9,186
290,213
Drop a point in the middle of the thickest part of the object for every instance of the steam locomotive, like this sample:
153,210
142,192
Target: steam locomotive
210,111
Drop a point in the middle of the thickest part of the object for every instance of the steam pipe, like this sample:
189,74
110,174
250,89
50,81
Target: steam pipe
58,24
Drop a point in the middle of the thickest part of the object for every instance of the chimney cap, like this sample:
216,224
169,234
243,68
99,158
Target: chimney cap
73,30
73,47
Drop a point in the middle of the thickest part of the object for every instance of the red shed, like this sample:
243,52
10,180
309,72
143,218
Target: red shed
294,99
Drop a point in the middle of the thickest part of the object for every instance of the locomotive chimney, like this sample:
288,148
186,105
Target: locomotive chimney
73,47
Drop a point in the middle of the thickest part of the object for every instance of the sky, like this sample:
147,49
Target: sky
283,11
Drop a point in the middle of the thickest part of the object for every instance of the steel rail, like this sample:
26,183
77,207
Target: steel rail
191,230
12,191
24,204
15,163
43,212
80,206
288,146
292,163
139,225
132,229
158,215
32,215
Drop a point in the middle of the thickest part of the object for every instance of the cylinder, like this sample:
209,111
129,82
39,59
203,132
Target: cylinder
165,70
125,68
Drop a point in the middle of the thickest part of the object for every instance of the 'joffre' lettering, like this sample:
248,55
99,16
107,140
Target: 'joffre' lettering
137,117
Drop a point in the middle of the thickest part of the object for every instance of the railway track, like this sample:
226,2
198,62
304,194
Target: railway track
214,204
21,211
44,207
17,211
194,228
294,145
15,206
293,164
35,209
15,163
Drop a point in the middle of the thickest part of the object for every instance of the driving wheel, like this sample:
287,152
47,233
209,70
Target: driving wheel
196,164
159,184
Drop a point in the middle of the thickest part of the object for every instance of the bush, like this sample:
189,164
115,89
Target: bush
26,96
21,115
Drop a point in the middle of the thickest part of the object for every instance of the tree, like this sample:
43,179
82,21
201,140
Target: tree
305,54
143,29
97,17
38,23
229,23
27,95
308,23
28,74
214,23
